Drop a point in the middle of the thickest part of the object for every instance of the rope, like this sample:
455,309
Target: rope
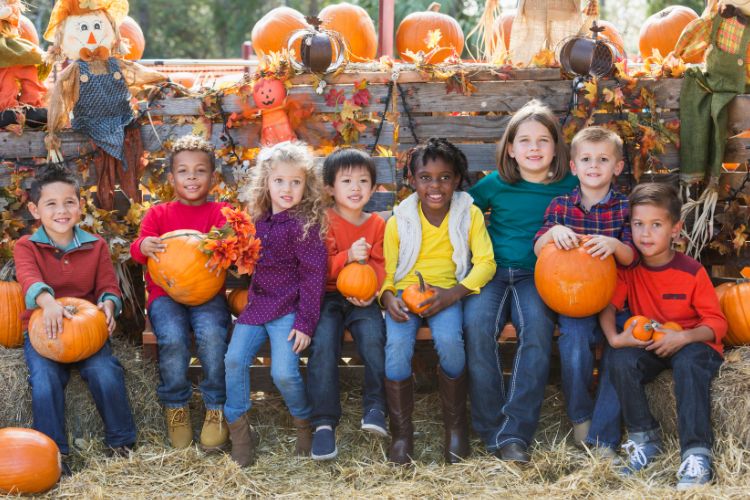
412,128
382,117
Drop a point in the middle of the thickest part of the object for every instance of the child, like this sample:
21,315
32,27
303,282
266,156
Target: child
285,294
532,163
598,210
62,260
440,233
353,236
666,286
191,171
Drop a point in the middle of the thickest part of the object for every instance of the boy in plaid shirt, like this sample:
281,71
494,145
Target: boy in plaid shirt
598,210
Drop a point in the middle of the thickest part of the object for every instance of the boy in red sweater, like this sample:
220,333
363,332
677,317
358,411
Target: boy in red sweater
666,286
62,260
353,236
191,172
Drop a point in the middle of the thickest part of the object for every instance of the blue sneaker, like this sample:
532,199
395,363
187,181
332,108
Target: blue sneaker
694,471
374,421
640,455
324,443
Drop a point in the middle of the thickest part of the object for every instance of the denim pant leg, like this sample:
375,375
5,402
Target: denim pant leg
210,322
535,324
448,338
484,316
323,363
577,337
285,367
631,368
245,344
694,367
399,346
367,327
48,380
105,377
171,323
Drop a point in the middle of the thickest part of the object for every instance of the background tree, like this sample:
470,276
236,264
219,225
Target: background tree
655,6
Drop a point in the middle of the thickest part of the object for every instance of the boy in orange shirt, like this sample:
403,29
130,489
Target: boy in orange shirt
353,236
665,285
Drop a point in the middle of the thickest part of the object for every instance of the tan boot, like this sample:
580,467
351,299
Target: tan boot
244,441
215,433
304,437
179,430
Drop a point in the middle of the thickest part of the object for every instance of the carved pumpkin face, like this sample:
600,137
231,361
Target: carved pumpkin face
269,93
87,31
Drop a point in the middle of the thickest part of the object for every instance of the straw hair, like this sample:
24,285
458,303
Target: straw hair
596,135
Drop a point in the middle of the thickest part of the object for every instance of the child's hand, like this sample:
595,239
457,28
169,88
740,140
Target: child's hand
626,339
301,340
361,303
440,300
108,307
601,246
564,237
53,318
151,245
395,307
669,344
360,250
214,269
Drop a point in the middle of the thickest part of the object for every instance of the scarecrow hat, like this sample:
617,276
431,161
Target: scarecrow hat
117,9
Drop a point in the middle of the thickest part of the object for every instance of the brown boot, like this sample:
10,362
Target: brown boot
244,441
400,397
453,397
214,434
304,437
179,429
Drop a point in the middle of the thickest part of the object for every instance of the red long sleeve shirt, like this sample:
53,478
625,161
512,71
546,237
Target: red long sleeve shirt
679,291
342,234
172,216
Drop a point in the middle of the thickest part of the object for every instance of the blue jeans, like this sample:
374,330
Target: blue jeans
498,415
105,378
245,344
368,331
445,327
172,324
694,367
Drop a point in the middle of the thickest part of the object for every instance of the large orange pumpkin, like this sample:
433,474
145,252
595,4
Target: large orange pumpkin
412,33
237,300
82,335
572,282
27,30
735,303
181,270
413,295
11,306
271,33
355,26
29,461
662,30
357,280
131,31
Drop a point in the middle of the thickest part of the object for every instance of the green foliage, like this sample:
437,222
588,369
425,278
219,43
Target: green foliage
655,6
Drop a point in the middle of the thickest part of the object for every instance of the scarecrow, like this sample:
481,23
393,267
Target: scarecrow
21,68
722,33
96,89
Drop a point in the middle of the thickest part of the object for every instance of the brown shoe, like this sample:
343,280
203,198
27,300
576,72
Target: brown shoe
215,433
179,430
304,437
244,441
400,397
453,397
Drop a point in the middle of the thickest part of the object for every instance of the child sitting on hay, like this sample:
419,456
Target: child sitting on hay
62,260
666,286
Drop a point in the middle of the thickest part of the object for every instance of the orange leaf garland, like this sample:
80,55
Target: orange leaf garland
234,243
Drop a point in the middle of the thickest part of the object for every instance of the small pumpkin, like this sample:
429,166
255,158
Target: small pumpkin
237,300
357,280
413,33
414,295
181,270
131,31
29,461
185,78
643,329
271,33
662,30
27,30
572,282
735,303
82,336
12,305
611,33
503,27
659,332
269,93
356,28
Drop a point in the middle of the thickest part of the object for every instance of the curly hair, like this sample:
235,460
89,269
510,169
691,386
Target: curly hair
51,174
438,148
191,143
311,209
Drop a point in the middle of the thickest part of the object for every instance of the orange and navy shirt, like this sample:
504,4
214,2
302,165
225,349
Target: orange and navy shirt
342,234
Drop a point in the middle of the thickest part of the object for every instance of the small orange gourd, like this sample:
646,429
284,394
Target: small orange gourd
414,295
29,461
413,33
237,300
11,306
357,280
643,329
659,332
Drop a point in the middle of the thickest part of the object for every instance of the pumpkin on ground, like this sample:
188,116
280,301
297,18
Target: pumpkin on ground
572,282
237,300
81,337
271,33
414,295
355,26
29,461
413,34
11,306
181,270
735,303
131,31
662,30
357,280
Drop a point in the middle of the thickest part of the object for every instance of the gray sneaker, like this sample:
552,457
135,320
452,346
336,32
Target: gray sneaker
694,471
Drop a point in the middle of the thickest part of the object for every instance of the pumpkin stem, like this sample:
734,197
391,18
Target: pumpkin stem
71,309
362,261
434,7
180,235
8,272
421,281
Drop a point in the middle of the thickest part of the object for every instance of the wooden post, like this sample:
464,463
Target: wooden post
386,16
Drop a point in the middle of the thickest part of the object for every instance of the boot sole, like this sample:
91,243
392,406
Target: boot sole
374,429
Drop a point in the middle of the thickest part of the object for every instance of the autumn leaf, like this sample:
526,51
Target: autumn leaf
433,38
590,91
739,238
335,97
414,57
202,127
545,58
362,97
348,110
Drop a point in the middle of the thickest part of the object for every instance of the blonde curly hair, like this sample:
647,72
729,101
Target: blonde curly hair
311,209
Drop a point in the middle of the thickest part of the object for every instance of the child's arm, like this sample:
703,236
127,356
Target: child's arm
555,230
107,290
148,244
388,299
604,246
312,257
615,339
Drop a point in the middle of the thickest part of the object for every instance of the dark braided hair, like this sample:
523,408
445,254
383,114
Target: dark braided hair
48,175
438,148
